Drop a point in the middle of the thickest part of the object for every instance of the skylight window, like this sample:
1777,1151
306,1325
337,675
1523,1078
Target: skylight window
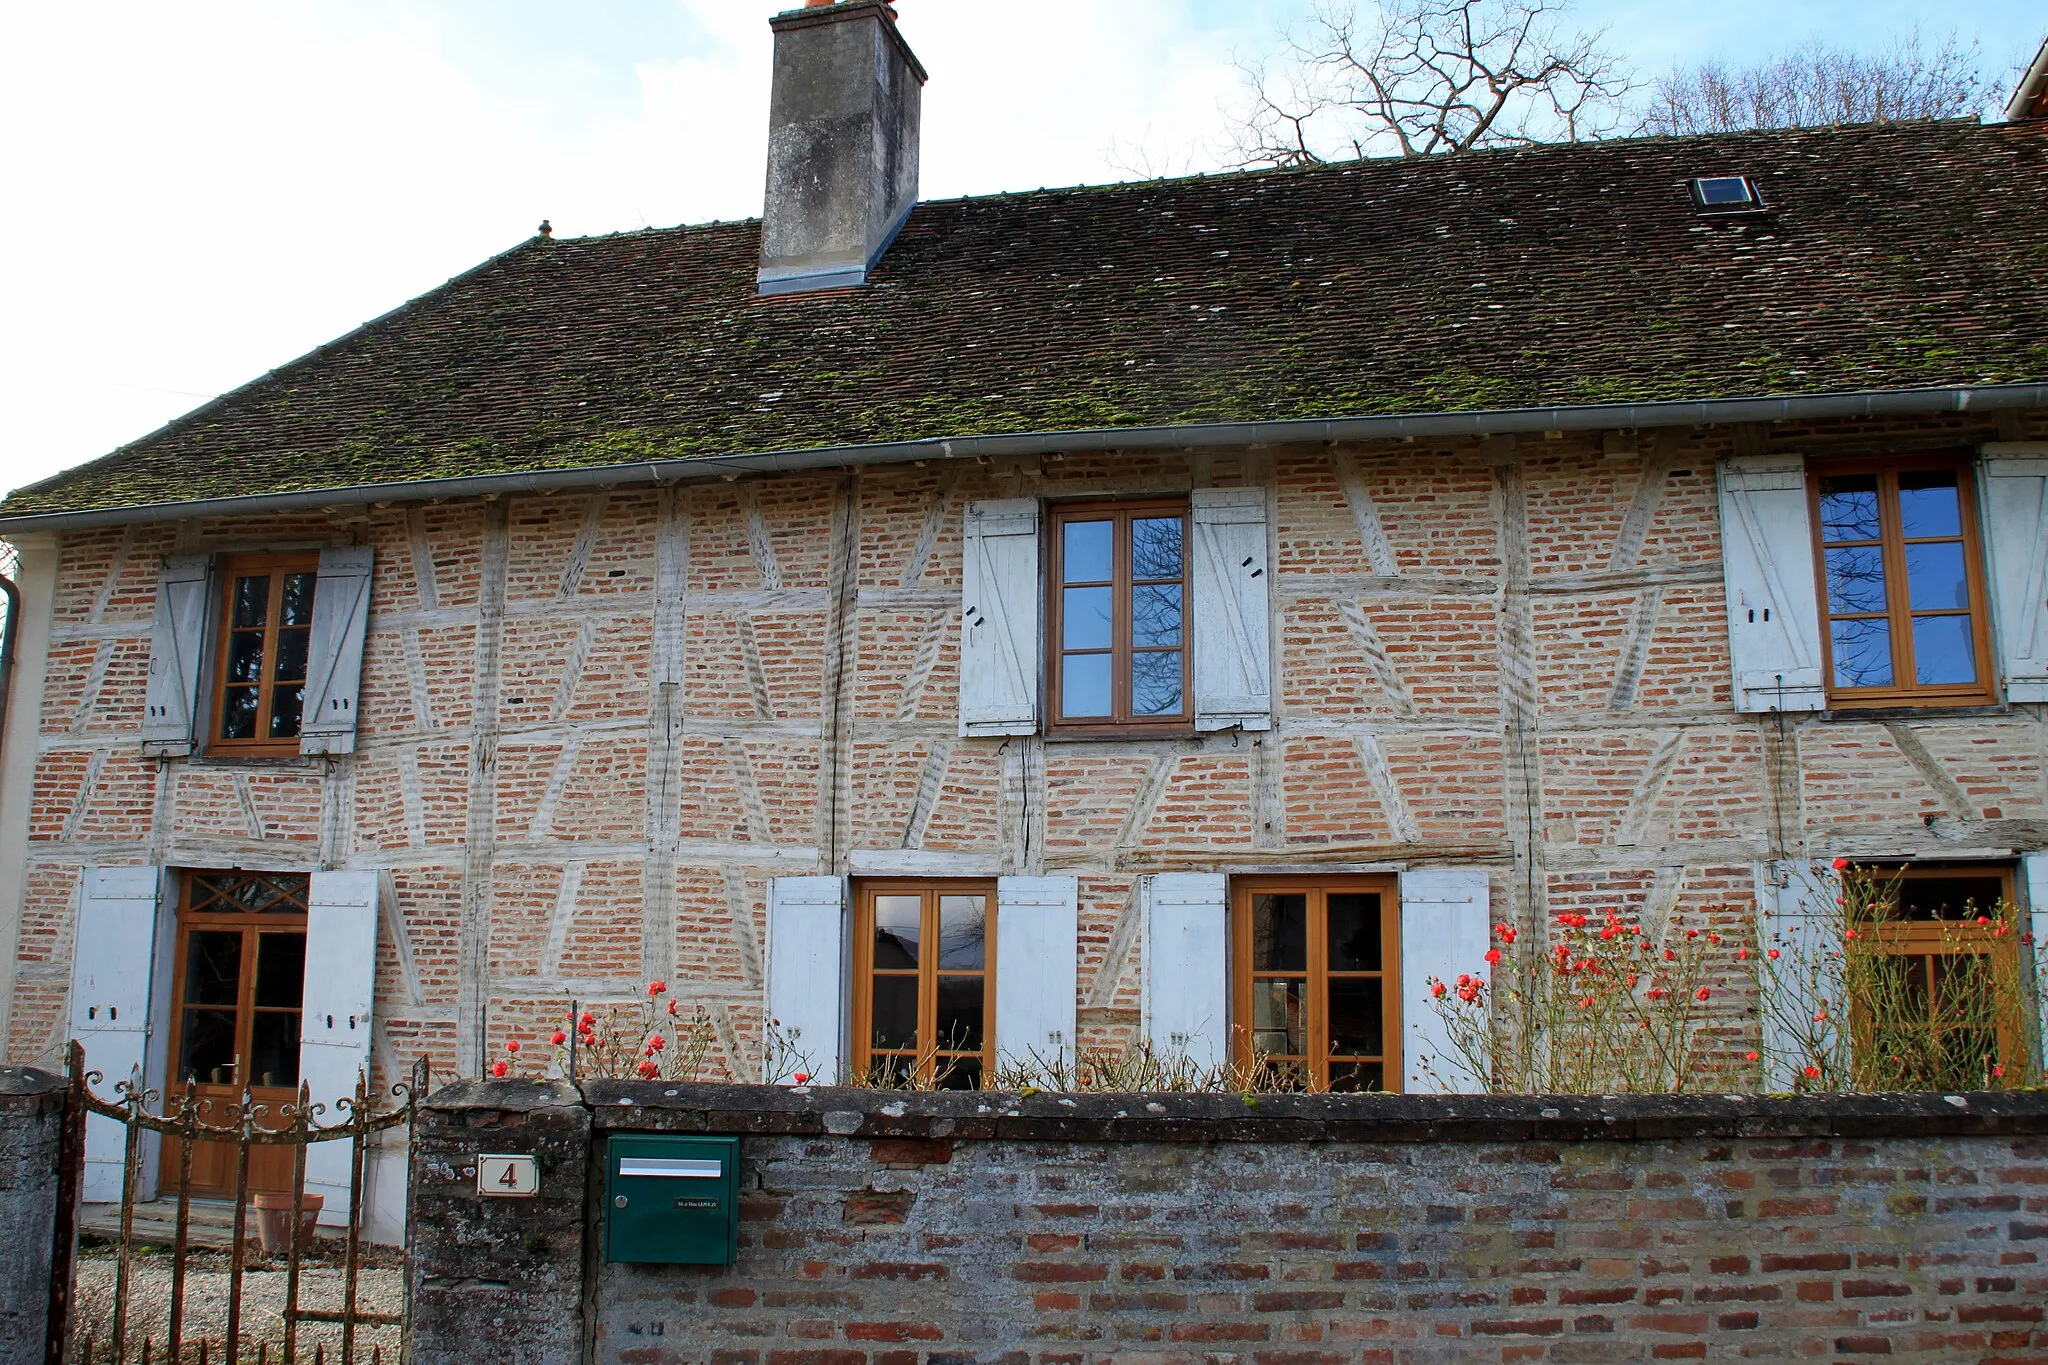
1726,194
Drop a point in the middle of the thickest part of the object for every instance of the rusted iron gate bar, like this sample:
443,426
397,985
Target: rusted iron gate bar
184,1125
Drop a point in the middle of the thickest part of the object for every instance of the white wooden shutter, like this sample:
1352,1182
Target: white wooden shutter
334,651
1445,930
2015,501
1187,966
999,616
1233,652
335,1016
119,952
808,967
177,638
1767,563
2034,876
1793,900
1037,939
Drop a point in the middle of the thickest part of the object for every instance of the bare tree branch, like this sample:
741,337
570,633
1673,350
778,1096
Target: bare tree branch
1815,86
1419,77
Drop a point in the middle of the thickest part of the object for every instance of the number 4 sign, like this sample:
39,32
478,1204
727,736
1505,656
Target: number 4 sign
507,1175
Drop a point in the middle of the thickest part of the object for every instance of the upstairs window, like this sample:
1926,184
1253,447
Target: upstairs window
266,629
1118,617
1901,581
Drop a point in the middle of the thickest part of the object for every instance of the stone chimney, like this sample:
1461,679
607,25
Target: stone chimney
842,144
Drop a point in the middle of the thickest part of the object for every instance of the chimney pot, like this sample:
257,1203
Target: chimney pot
842,144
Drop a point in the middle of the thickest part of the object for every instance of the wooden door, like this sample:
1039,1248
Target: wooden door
238,985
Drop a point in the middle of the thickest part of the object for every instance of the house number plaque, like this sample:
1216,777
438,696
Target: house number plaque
507,1176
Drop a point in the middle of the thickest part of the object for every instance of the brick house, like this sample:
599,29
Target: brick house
1202,607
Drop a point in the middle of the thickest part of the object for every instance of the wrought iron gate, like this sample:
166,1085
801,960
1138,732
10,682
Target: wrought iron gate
183,1122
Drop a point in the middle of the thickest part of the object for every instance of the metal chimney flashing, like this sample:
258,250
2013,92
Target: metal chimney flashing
801,280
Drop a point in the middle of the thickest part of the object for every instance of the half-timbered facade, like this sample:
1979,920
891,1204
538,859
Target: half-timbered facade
1192,612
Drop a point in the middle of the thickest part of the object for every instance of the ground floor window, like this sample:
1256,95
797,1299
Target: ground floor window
924,983
1316,979
238,982
1937,992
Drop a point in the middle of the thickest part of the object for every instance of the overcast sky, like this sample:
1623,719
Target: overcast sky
195,192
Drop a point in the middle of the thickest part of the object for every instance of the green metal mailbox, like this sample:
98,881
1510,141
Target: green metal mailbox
672,1200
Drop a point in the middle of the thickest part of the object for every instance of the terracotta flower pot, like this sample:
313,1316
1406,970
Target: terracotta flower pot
274,1220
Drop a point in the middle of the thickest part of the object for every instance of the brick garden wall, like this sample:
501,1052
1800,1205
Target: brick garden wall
595,726
896,1229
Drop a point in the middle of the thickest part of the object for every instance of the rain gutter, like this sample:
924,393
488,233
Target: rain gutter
2030,96
1200,436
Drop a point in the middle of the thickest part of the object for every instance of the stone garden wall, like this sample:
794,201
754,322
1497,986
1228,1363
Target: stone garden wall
887,1229
31,1134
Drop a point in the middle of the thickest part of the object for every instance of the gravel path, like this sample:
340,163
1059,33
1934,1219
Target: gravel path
380,1290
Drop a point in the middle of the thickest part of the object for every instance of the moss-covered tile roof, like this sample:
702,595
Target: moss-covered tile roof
1892,257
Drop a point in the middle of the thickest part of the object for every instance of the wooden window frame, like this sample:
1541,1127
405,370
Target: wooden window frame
249,924
1936,938
1898,608
927,1056
1317,975
277,566
1120,722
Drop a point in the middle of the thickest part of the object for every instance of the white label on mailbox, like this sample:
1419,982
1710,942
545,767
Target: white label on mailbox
670,1168
507,1176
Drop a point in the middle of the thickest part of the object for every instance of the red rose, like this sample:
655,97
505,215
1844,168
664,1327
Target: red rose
499,1068
802,1078
1813,1073
1841,864
1701,994
1772,954
648,1071
558,1037
1750,1056
1493,957
656,987
511,1045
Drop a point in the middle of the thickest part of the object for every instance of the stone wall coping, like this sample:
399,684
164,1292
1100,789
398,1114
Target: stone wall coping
504,1096
28,1080
658,1106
